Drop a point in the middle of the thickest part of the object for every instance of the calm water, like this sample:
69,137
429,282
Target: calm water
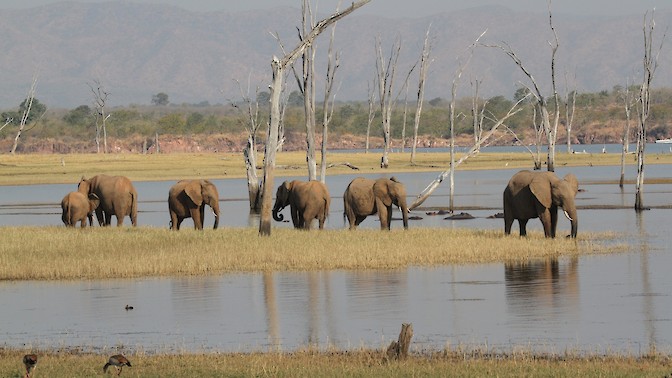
593,303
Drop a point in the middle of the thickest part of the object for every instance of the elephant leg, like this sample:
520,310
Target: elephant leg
545,219
359,219
508,222
120,219
384,219
522,223
100,216
83,223
554,221
196,217
174,223
108,218
321,220
295,217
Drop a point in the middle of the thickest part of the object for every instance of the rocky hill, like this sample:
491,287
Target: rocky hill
138,50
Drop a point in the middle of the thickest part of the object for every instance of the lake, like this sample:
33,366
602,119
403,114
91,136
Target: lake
592,303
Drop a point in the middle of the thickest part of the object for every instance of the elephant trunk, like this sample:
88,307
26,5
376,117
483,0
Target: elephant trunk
276,212
570,213
404,213
215,211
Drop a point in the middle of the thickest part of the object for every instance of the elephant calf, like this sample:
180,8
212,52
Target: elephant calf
538,195
77,207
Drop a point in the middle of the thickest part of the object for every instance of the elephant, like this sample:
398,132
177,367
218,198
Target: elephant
77,207
187,199
117,197
538,195
307,201
364,197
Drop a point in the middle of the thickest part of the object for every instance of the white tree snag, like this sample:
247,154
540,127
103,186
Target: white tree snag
424,67
372,112
451,115
650,64
308,90
278,66
99,102
26,112
386,73
254,186
329,100
398,350
628,102
569,113
435,184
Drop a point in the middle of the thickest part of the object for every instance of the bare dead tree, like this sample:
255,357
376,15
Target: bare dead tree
308,89
442,176
424,67
403,119
8,121
477,112
569,112
628,103
650,64
26,112
550,130
252,125
372,112
451,115
100,102
333,62
279,65
385,75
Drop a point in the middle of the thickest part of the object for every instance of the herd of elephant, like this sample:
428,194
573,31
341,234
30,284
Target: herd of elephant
529,194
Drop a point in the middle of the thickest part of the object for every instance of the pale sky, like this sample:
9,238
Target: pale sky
399,8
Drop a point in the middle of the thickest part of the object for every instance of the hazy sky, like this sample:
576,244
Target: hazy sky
399,8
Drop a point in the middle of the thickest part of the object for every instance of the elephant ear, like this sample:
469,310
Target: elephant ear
381,190
573,183
193,191
540,186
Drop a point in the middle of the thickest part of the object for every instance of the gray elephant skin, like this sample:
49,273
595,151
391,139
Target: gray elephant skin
188,198
78,207
364,197
117,197
538,195
306,200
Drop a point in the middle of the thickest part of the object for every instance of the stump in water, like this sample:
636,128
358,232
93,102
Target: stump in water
398,350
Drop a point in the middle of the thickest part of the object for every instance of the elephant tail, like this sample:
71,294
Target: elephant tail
134,208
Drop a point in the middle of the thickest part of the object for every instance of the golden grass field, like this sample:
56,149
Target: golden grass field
54,168
58,253
357,363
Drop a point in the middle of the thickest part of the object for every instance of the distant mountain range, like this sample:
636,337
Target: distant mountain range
136,51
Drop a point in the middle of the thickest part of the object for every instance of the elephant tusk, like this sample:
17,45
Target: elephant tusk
567,215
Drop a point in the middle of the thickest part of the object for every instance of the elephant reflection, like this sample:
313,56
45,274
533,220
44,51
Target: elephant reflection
534,285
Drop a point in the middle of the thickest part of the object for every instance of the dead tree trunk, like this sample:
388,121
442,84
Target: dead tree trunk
329,99
372,114
569,114
278,66
308,89
26,112
627,104
650,65
99,102
398,350
424,67
386,74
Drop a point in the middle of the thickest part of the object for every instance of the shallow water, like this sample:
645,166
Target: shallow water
592,303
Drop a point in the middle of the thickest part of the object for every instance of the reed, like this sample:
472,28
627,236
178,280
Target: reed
69,168
355,363
57,253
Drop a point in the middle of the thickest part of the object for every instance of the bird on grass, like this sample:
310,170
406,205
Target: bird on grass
118,361
29,361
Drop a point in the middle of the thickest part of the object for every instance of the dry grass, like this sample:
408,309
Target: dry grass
52,169
357,363
54,253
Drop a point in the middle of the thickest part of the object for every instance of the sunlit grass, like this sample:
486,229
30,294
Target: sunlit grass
359,362
69,168
53,253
